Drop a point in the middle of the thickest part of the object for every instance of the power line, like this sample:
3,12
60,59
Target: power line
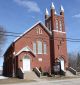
13,34
10,32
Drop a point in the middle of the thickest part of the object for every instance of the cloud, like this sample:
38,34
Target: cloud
32,6
76,16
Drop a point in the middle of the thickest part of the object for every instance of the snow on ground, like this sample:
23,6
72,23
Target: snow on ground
2,77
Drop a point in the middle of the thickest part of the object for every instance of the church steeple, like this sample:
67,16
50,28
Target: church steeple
52,16
56,25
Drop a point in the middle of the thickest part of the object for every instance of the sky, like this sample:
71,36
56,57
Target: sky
19,15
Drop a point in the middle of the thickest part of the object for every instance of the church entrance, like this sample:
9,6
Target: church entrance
62,63
26,63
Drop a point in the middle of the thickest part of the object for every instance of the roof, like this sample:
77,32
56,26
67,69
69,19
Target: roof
39,22
27,49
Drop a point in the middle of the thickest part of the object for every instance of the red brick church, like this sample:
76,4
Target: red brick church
40,46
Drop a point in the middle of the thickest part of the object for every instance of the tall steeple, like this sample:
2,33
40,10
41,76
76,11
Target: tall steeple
52,6
52,16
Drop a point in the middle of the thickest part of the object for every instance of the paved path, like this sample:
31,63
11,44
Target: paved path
75,81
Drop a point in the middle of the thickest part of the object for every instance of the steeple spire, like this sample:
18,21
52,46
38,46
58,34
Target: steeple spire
55,12
46,13
61,9
52,6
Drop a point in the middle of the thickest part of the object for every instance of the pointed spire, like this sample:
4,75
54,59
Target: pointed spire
61,9
46,13
55,12
52,6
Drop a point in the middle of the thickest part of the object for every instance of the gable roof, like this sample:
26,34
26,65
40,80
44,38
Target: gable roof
39,22
27,49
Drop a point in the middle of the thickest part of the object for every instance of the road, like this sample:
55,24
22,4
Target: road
75,81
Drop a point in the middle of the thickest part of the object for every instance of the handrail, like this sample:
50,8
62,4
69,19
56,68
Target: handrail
37,71
21,69
72,70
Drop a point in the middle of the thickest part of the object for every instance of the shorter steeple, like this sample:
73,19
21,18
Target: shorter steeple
55,12
46,12
61,9
52,6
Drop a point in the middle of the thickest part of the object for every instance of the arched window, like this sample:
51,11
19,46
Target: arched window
34,47
60,24
39,47
45,48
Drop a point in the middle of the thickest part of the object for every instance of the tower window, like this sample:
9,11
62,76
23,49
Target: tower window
56,24
60,24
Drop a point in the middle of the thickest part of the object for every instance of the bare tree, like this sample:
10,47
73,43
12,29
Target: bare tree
73,60
78,62
2,38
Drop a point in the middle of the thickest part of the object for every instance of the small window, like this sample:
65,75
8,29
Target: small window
60,23
56,24
45,48
39,31
39,47
34,47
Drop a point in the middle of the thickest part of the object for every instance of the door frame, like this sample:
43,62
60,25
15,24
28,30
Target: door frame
26,57
62,63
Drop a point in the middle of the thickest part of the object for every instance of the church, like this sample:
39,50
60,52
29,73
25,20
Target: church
41,46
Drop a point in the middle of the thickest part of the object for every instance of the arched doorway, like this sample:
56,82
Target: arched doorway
62,63
26,63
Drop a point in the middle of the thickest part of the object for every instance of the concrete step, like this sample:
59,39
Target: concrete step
69,74
78,73
30,75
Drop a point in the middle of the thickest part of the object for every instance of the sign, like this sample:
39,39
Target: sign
57,67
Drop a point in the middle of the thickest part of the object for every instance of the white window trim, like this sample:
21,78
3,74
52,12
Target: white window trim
34,48
45,50
60,24
57,27
39,43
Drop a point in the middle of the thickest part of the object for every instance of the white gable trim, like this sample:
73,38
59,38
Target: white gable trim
39,22
24,49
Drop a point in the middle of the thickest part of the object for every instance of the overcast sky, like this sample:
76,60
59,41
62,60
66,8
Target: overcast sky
19,15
